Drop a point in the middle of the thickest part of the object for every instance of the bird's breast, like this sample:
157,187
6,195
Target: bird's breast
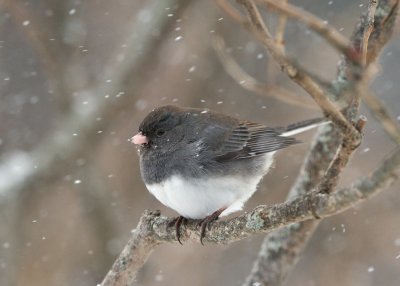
198,198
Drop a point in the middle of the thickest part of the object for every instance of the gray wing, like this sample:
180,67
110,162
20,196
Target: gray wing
250,139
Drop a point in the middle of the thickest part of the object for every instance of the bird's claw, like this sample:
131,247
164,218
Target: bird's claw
177,222
206,223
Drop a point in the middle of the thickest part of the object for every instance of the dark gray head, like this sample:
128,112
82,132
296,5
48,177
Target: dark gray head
163,127
167,138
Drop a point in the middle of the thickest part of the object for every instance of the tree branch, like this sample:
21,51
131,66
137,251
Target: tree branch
250,83
328,32
231,11
153,228
370,18
281,249
280,29
297,74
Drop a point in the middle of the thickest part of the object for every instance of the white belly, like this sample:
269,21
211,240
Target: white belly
201,197
198,198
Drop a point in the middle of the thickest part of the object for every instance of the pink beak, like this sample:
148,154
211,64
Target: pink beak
139,139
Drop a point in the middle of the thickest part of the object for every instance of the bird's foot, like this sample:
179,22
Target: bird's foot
206,223
177,222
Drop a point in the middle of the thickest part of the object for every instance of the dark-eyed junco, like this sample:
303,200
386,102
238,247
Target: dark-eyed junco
205,164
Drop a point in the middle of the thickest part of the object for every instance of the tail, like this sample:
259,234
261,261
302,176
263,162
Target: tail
302,126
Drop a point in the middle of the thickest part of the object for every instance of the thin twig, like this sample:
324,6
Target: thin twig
341,159
369,26
328,32
280,29
384,21
231,11
250,83
240,19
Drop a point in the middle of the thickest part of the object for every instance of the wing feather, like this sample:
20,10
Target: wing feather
249,139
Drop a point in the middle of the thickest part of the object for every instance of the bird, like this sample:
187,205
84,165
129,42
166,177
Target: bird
204,164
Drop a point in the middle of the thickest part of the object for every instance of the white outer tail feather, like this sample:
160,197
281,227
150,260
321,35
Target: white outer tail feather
303,129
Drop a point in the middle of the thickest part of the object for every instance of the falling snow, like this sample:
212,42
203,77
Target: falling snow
159,277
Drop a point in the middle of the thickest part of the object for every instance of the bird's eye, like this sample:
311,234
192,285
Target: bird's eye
165,118
160,132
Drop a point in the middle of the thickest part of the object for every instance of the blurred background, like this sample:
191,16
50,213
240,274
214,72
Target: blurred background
77,77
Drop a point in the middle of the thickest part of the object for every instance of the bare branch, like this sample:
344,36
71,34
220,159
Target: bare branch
231,11
250,83
380,31
153,228
321,27
281,249
287,245
369,26
331,178
298,75
384,21
236,15
135,253
280,30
